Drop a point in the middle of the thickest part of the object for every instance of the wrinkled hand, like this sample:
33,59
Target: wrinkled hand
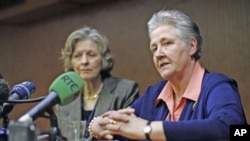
99,126
122,122
132,128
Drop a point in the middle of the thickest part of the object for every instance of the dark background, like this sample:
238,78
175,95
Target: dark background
33,32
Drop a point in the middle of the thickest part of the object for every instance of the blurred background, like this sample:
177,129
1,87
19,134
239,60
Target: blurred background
32,33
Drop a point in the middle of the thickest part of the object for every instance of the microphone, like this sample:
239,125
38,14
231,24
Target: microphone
63,90
19,91
4,91
22,91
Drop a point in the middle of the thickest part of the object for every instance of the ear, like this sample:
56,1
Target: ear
193,47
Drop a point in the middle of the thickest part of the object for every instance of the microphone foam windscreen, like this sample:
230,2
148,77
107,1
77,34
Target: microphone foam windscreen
67,86
4,91
24,89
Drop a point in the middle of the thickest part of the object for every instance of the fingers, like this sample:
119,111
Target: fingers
105,129
104,121
117,116
127,111
110,129
106,114
120,115
113,128
112,125
106,134
111,121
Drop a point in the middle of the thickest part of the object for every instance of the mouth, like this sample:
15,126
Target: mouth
163,64
85,70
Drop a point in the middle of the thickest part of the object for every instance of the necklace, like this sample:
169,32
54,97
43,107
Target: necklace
94,96
91,97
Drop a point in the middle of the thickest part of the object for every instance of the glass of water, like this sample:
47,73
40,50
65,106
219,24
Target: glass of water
74,130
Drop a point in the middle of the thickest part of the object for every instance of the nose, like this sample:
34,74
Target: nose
159,53
84,59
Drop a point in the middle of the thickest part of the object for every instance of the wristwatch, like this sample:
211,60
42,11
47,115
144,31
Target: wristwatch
147,130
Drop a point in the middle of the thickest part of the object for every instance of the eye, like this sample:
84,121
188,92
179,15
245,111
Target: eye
77,55
153,48
166,42
92,54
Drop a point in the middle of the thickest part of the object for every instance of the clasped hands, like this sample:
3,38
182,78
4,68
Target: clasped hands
121,122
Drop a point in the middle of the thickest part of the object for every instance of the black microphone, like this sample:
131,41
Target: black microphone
4,91
20,91
64,89
4,94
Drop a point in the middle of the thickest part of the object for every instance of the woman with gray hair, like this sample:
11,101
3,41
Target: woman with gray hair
190,104
87,53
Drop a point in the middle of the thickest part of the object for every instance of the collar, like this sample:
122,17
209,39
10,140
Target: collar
192,91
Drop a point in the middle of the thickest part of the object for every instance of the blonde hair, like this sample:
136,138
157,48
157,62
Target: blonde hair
93,35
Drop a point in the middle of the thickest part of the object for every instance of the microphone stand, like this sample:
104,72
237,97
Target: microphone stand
4,116
5,121
5,109
3,130
54,133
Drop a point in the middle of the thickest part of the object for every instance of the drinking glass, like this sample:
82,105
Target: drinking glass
74,130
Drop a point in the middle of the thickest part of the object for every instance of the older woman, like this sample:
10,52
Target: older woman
87,53
190,104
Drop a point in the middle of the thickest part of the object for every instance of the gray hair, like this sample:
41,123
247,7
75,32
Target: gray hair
187,29
93,35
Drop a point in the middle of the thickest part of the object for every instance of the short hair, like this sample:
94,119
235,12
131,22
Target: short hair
187,28
93,35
